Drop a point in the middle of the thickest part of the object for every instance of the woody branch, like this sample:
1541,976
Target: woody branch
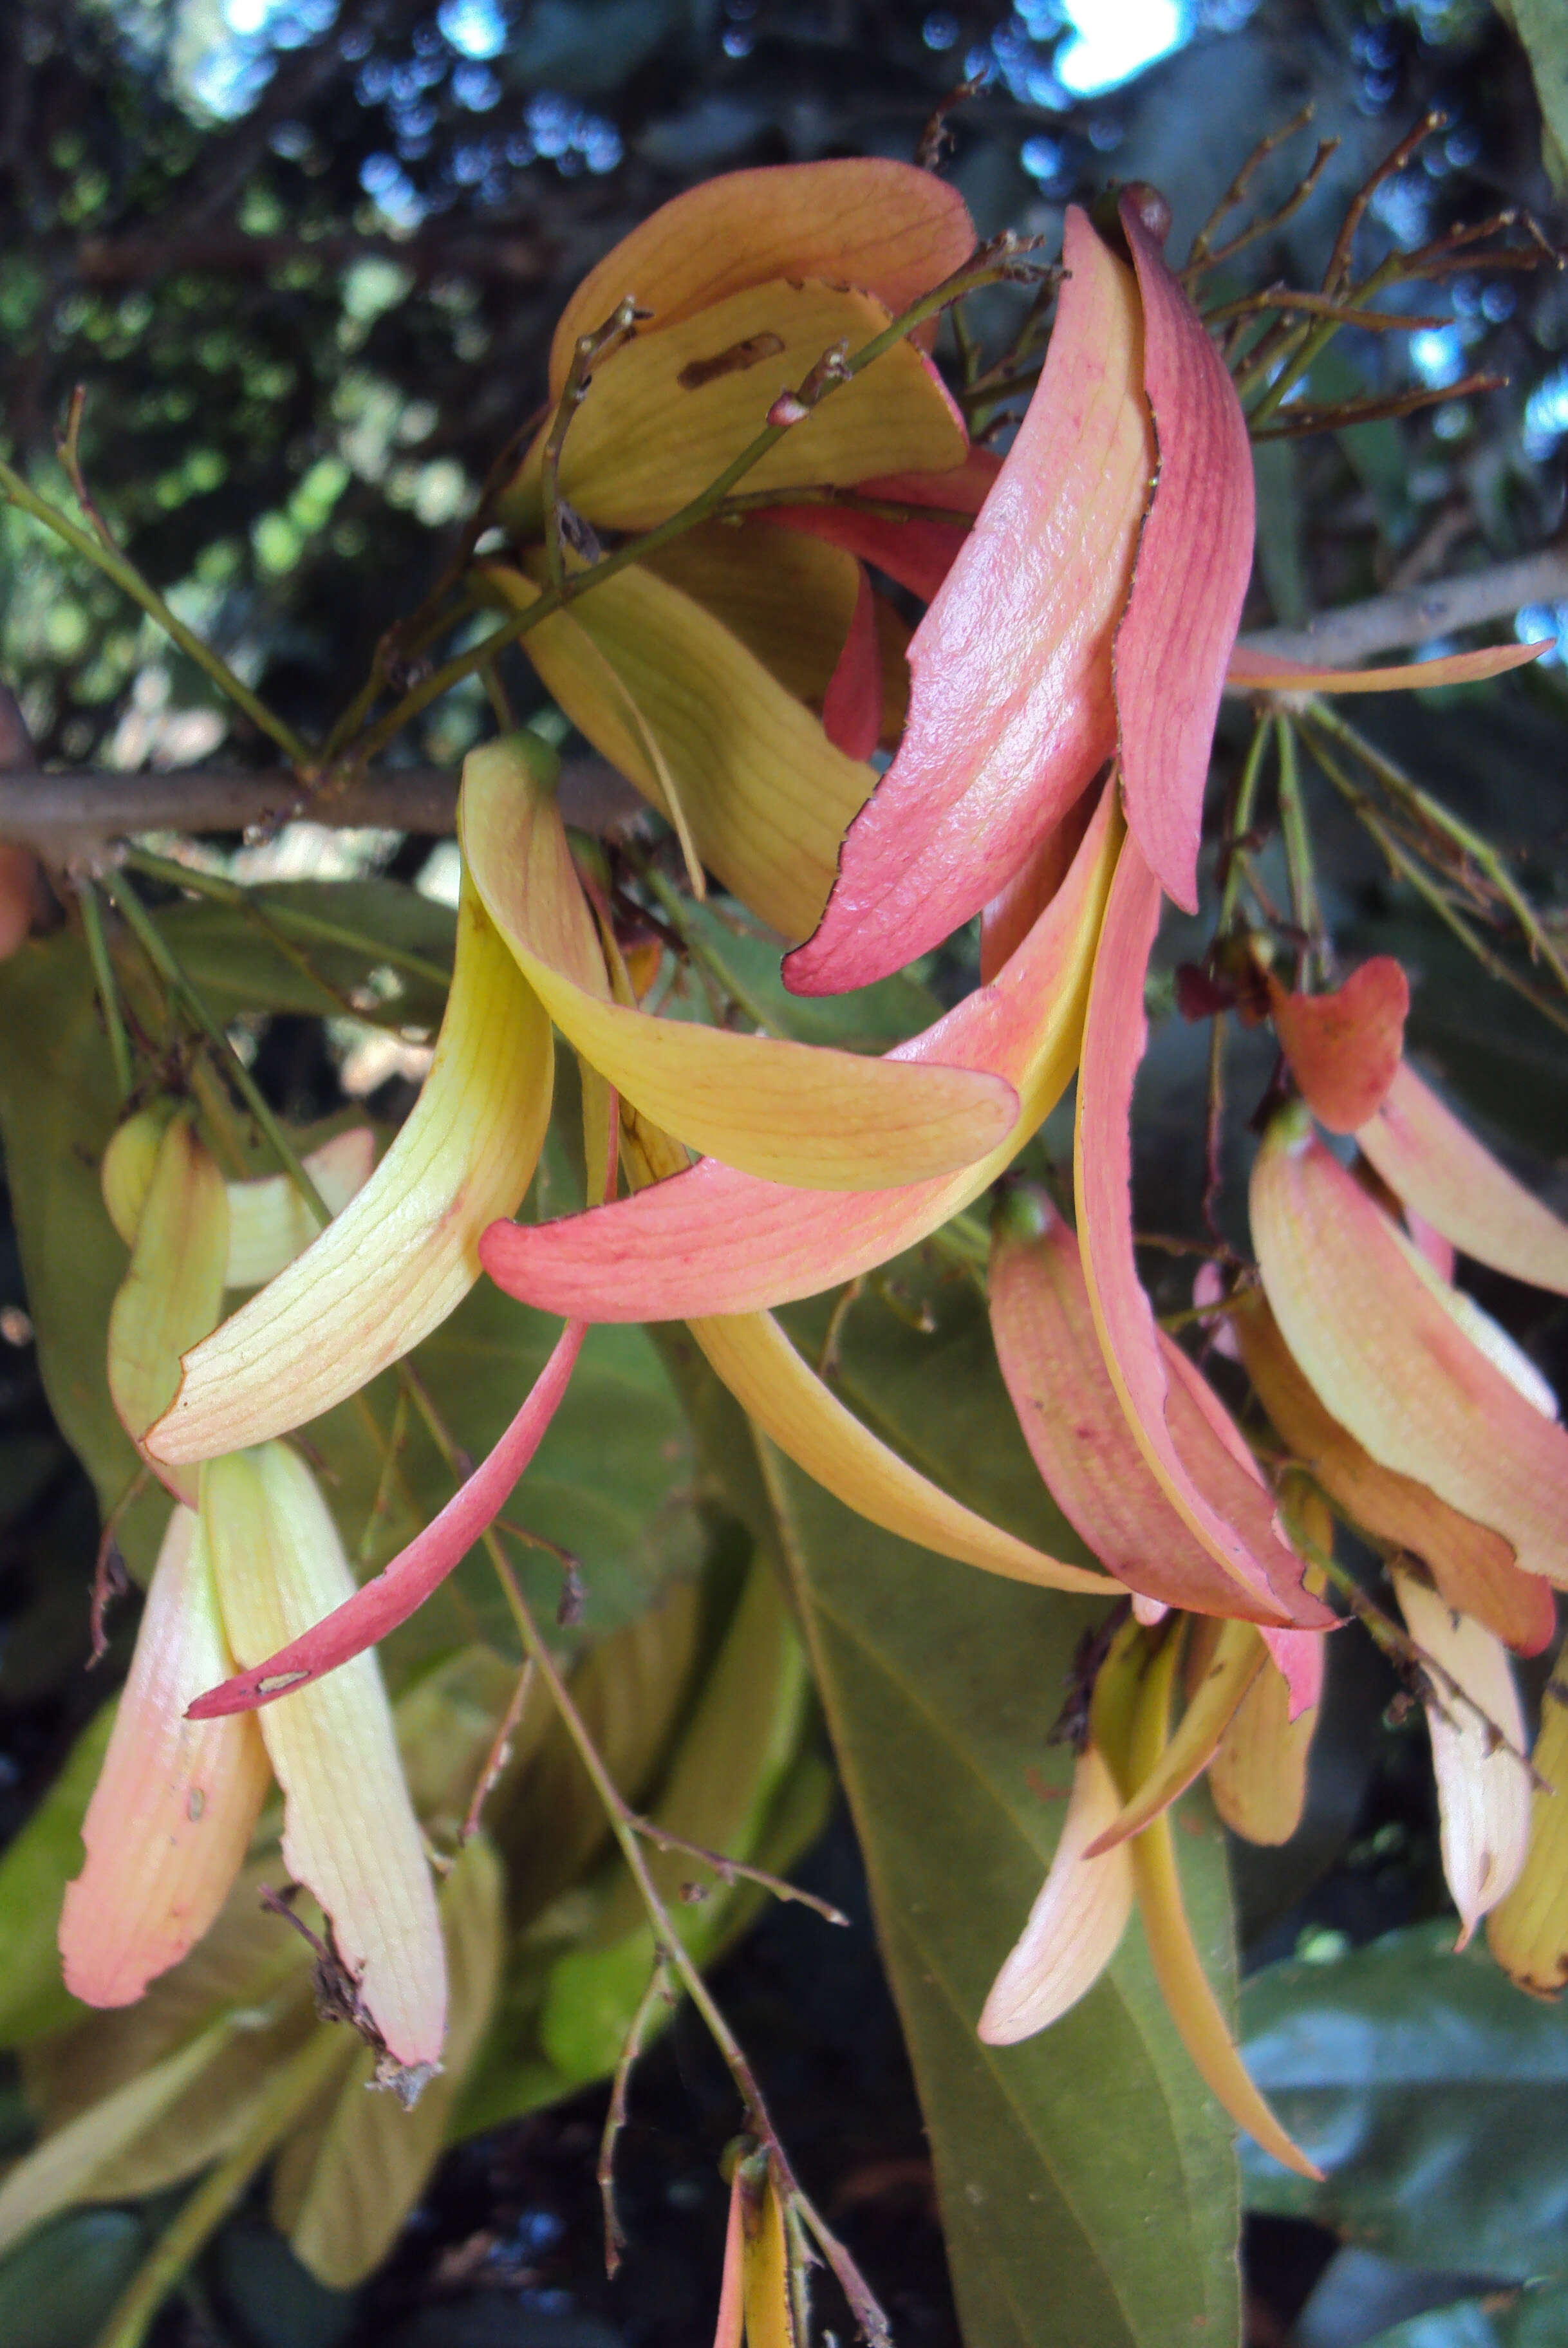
69,815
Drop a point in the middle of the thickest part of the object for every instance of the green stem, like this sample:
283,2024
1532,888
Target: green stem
1404,790
842,501
1306,909
107,989
283,2100
669,1946
129,581
159,952
408,637
1314,341
586,355
1240,824
1406,866
696,510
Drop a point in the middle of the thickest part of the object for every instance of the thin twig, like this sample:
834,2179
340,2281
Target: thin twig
67,448
1305,910
1214,1127
1281,298
1406,866
107,988
107,557
1272,140
616,2117
1230,873
868,2314
1470,844
166,963
1338,270
1302,421
674,907
729,1870
500,1753
1302,194
587,354
380,1507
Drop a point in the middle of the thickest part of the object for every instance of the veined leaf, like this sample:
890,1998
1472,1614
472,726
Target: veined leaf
37,1865
940,1687
1431,2092
938,1702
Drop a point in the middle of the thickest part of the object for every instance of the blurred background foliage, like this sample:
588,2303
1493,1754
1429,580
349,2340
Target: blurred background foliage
304,256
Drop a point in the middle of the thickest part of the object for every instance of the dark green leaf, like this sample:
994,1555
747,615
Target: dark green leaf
1540,28
239,964
57,2290
1433,2093
1534,2319
940,1686
34,1874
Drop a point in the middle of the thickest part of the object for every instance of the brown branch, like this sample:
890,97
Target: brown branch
1416,614
70,817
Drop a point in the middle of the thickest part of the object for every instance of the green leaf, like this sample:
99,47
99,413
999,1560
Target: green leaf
34,1874
1543,32
1087,2180
242,1993
70,2164
1534,2319
631,1529
238,964
58,2289
1433,2093
1282,558
917,1363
